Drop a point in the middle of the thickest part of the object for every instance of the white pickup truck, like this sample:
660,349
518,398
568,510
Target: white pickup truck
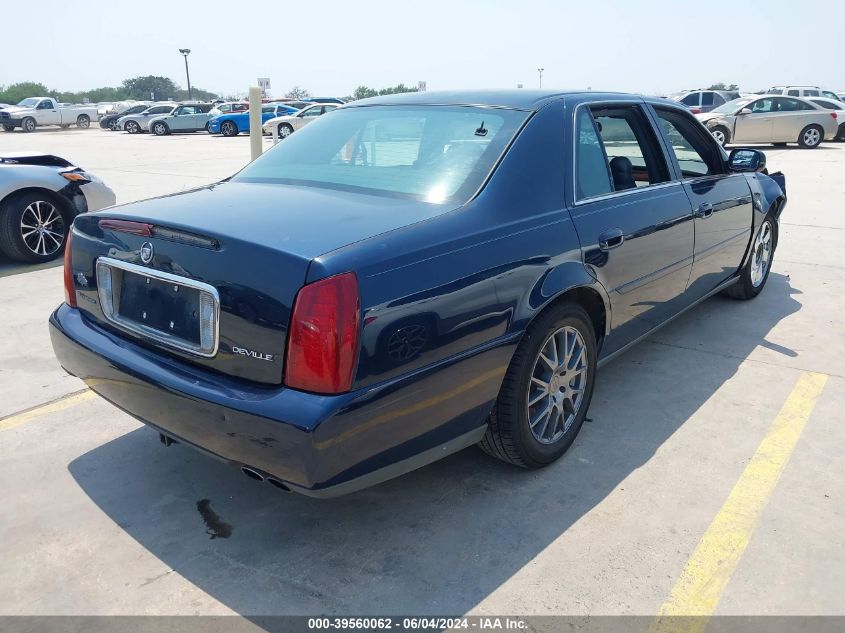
35,111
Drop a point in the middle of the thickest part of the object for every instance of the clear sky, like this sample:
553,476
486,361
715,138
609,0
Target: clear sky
332,46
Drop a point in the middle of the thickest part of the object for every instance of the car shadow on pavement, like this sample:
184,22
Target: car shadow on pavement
438,540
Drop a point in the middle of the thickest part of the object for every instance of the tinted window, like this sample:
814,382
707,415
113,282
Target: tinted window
691,99
792,93
717,99
592,175
430,153
811,93
696,152
160,110
706,98
632,152
830,95
783,104
827,104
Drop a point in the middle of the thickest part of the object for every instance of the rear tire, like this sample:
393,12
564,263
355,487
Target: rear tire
721,134
840,135
160,129
83,121
755,273
33,227
229,128
811,137
537,416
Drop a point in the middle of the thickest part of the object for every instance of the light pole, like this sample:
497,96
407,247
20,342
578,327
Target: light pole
186,52
539,70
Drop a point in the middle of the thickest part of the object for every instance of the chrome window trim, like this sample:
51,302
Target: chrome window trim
614,194
152,333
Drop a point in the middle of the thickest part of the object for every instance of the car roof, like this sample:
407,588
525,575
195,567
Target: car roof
520,99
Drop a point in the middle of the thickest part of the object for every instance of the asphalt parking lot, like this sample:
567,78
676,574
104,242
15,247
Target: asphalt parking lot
99,518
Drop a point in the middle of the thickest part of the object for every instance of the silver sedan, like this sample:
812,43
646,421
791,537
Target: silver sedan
40,195
287,125
771,119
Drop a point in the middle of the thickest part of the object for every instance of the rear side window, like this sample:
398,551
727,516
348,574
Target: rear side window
792,93
627,146
691,99
696,152
592,174
706,98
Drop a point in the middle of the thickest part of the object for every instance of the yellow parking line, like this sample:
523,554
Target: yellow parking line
706,574
65,402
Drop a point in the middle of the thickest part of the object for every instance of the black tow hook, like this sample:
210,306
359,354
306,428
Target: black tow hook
167,441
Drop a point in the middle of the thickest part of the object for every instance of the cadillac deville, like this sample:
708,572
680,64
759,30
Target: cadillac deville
411,275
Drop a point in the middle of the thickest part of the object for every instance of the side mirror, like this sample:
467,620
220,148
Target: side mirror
742,159
744,111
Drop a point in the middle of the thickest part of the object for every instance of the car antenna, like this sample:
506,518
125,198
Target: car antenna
481,131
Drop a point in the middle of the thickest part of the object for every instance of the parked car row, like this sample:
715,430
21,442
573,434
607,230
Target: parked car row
228,119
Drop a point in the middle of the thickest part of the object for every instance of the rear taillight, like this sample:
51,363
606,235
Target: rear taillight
323,338
833,114
70,291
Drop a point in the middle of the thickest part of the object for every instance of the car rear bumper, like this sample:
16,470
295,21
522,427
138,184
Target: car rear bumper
321,446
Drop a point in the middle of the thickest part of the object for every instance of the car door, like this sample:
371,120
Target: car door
306,116
721,200
756,126
634,222
183,119
788,119
47,113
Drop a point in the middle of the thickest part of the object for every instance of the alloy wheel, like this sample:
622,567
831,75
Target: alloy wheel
812,137
719,135
557,385
42,228
284,131
762,254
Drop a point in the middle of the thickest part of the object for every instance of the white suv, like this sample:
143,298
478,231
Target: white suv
802,91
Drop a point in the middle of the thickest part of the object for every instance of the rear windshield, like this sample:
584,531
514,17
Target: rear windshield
432,153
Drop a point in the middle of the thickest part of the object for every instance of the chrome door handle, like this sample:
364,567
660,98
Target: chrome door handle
611,239
705,210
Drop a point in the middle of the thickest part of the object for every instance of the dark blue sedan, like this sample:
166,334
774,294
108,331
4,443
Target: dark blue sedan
233,123
410,276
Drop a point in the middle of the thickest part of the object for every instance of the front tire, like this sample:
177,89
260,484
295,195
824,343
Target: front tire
755,273
721,134
9,128
285,130
113,126
28,124
132,127
229,128
83,121
33,228
546,391
811,137
160,129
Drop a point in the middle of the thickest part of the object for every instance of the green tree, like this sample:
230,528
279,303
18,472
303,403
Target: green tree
198,94
397,89
298,92
363,92
16,92
722,86
140,88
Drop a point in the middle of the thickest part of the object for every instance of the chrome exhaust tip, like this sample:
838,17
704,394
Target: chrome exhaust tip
252,473
279,484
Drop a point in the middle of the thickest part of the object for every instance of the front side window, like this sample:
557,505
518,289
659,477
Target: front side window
436,154
696,152
45,105
830,95
762,105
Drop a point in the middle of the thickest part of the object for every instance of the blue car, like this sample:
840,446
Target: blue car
410,276
233,123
